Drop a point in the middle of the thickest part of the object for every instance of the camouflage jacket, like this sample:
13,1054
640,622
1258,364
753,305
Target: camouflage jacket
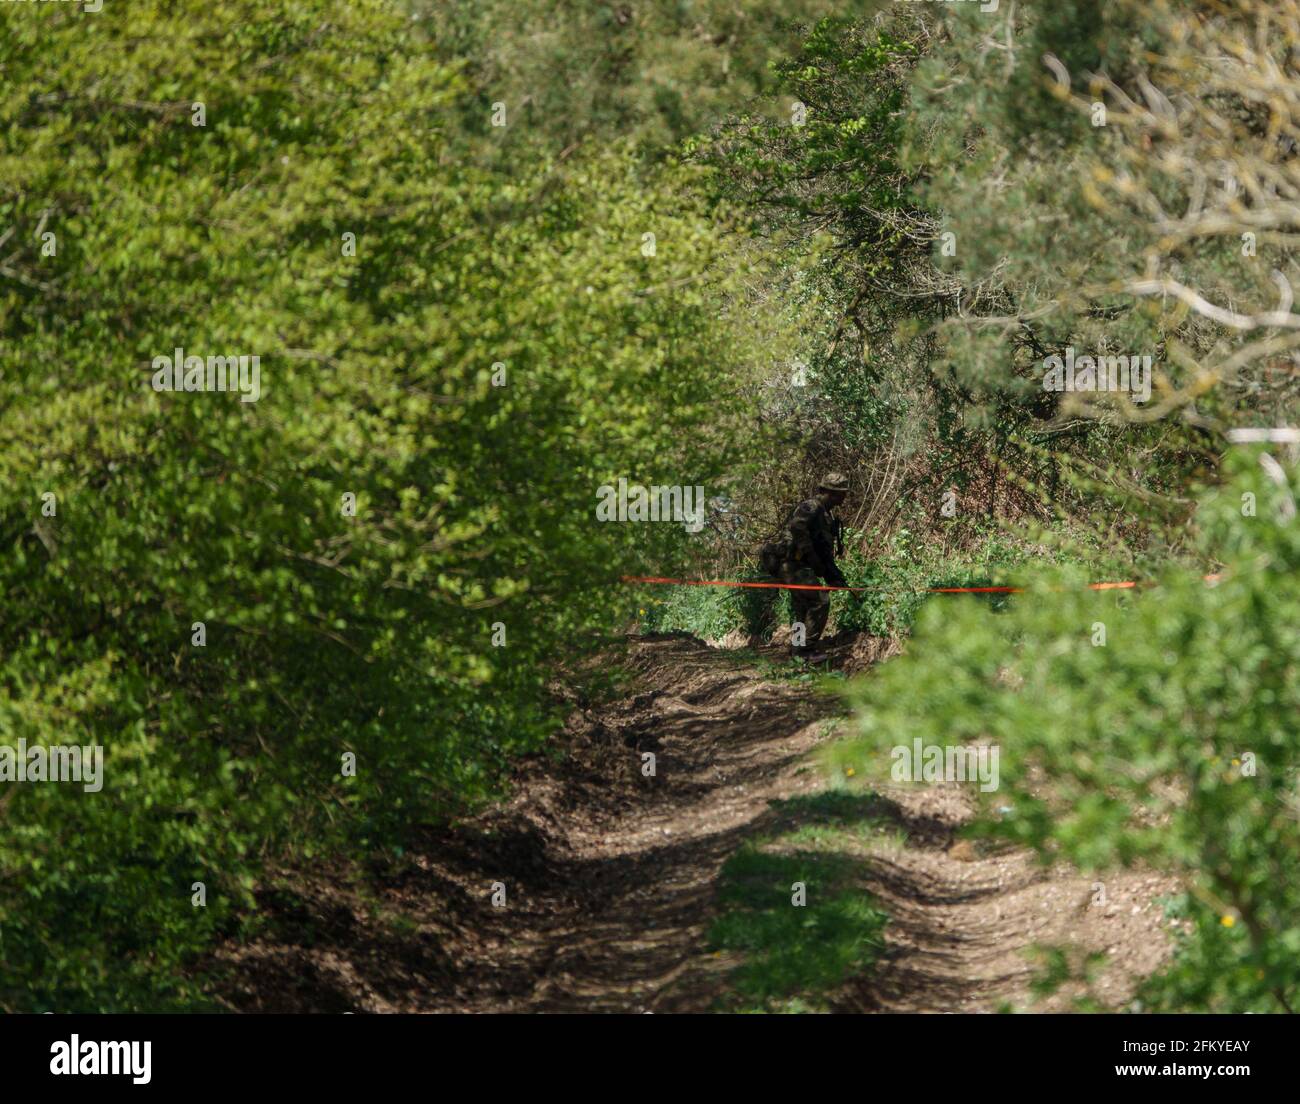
814,537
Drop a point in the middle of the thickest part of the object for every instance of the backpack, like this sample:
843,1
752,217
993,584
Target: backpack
771,556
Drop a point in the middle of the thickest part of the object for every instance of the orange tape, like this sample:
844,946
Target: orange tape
1125,585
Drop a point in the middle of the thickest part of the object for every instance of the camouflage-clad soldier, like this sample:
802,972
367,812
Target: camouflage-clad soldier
806,556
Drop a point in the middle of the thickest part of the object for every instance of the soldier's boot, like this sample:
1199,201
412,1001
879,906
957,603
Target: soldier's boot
809,655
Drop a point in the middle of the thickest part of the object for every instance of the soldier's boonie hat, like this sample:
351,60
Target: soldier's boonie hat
834,481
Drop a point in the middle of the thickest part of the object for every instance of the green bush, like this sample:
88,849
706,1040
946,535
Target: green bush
328,633
1173,744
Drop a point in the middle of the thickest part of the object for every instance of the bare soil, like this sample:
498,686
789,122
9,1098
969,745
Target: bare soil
610,877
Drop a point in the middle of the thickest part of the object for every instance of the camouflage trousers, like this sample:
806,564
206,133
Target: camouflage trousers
810,608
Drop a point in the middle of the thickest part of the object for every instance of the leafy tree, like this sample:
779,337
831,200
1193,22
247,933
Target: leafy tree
1154,729
452,362
575,71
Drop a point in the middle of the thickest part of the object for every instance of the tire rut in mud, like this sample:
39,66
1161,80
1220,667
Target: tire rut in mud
610,877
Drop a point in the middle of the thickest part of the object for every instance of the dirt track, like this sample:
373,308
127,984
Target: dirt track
610,876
